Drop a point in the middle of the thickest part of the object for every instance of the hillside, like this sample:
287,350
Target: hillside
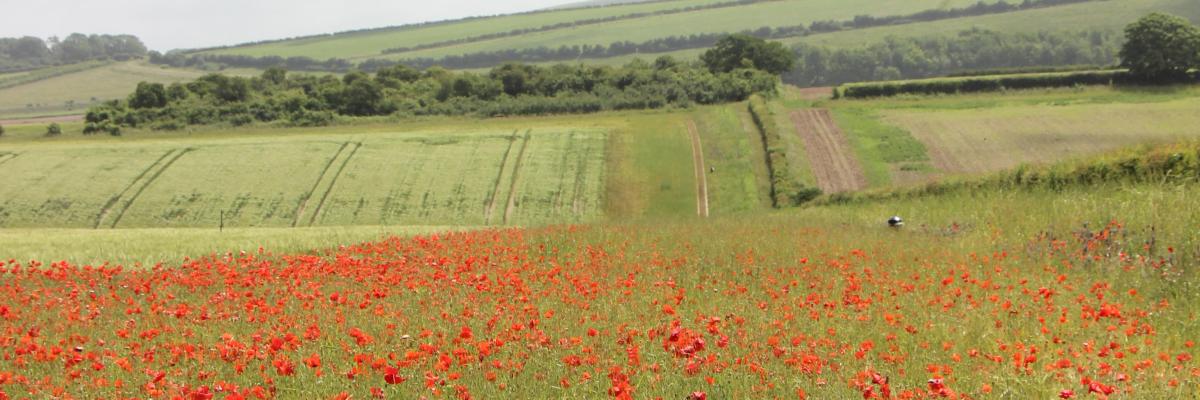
596,3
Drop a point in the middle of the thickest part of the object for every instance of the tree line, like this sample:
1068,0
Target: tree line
486,59
24,53
735,69
974,49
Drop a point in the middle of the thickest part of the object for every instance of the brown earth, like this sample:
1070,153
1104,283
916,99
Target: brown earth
41,120
829,152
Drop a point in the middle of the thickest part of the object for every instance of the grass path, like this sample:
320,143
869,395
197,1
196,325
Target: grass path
698,165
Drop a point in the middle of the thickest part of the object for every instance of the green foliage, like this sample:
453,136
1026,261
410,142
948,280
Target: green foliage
29,52
965,53
1161,47
513,89
786,191
745,51
1175,163
53,129
1,130
983,84
148,95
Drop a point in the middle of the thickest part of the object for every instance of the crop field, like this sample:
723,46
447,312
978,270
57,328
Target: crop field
1105,15
994,138
460,178
370,44
748,17
753,16
74,92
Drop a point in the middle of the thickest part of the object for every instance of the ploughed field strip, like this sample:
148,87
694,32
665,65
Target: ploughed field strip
833,161
531,176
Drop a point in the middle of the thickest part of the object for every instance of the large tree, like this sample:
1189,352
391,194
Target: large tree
745,51
1161,47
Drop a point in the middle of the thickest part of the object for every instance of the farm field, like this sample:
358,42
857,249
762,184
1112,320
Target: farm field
752,16
72,93
370,44
400,178
912,139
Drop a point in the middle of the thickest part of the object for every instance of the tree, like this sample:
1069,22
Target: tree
745,51
53,129
148,95
275,75
1,130
1161,47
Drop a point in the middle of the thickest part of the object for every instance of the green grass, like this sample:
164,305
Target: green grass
72,93
650,169
882,149
170,246
398,178
754,16
19,78
370,44
1103,15
732,146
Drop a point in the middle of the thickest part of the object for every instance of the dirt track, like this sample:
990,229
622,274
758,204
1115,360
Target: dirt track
829,153
701,174
41,120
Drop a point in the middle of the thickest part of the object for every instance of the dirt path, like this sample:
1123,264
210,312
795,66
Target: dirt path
829,152
41,120
701,175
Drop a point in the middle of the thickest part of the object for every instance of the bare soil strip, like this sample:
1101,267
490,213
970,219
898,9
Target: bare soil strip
698,165
42,120
161,167
491,207
333,182
317,183
829,152
512,187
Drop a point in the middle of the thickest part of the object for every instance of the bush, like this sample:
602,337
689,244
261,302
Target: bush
53,129
984,84
1,130
785,190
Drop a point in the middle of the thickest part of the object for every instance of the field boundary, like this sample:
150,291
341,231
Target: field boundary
147,182
491,206
698,166
829,152
516,175
308,196
333,182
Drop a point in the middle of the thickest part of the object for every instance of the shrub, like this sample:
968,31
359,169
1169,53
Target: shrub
785,190
984,84
53,129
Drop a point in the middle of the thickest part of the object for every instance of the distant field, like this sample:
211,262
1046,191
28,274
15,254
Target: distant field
410,178
369,44
754,16
907,140
116,81
1102,15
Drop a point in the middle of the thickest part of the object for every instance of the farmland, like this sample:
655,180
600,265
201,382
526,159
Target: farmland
378,179
73,92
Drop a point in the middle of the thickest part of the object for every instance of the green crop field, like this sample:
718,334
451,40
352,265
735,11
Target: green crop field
407,178
369,44
72,93
1104,15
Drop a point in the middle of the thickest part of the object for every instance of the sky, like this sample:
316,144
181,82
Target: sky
174,24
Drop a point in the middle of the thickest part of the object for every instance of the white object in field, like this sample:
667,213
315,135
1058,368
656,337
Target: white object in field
895,222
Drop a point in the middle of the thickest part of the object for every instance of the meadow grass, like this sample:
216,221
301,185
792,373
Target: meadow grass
1102,15
888,154
145,247
74,92
370,44
737,179
747,17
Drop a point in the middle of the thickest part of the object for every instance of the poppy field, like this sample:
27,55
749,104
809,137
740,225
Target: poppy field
1062,299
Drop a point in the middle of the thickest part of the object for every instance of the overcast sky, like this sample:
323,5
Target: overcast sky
171,24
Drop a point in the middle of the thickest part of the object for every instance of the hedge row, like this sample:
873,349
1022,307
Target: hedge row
1173,163
785,190
983,84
